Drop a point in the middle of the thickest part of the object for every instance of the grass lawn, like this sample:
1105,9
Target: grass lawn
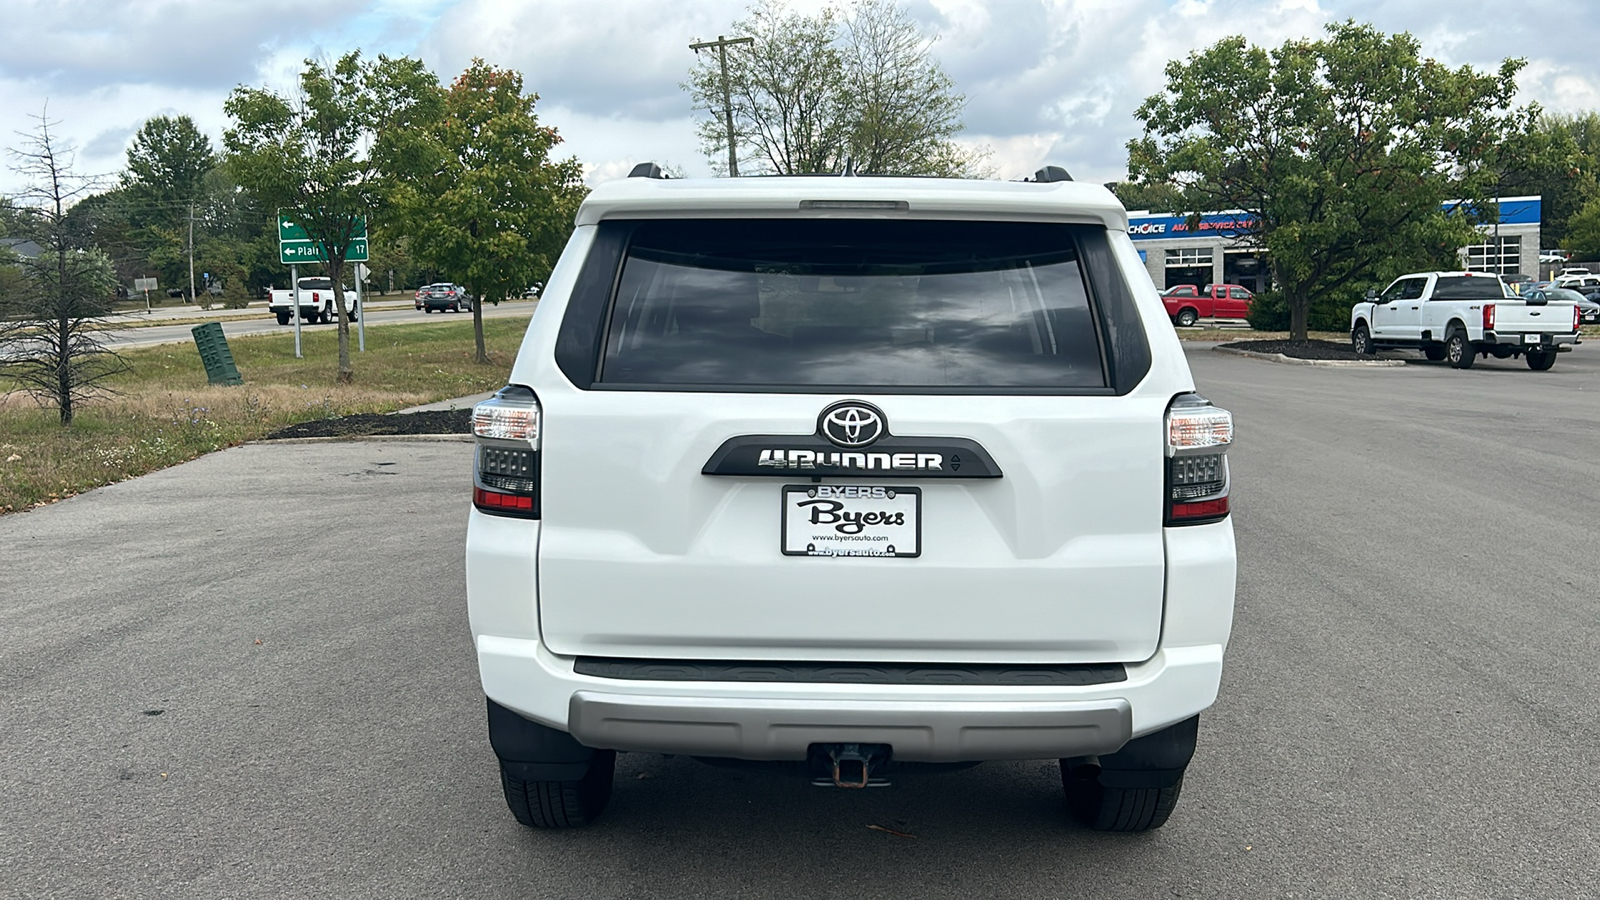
163,412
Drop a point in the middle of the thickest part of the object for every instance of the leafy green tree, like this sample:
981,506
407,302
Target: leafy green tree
1564,171
320,157
1583,232
1344,148
901,109
815,90
1161,198
492,210
164,181
50,337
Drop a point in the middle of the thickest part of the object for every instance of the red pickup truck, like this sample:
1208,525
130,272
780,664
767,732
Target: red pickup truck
1187,304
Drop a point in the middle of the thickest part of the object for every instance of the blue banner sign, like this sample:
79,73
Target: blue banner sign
1513,211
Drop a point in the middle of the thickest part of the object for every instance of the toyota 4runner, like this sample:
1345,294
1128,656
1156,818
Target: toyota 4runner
866,474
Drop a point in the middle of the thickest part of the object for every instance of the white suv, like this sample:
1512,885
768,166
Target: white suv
860,473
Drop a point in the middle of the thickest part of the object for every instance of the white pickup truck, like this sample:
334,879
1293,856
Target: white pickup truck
1458,316
316,301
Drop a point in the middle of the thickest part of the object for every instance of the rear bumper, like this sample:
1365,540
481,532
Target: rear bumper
767,721
1519,339
752,728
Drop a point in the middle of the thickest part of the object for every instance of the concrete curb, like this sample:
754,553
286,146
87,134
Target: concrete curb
1334,363
380,438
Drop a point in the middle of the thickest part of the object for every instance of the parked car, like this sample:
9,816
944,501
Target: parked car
1459,316
1517,283
1588,308
1552,256
1586,281
805,479
1187,304
533,290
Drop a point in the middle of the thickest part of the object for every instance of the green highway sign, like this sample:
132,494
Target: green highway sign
295,246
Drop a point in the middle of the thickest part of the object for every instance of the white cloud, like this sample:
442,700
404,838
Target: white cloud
1052,81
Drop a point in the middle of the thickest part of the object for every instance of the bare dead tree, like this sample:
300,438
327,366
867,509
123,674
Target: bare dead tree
50,345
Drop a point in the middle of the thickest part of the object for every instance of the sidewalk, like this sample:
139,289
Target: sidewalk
446,405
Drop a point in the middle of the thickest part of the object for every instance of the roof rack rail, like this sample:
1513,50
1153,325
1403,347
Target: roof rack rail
1050,175
647,170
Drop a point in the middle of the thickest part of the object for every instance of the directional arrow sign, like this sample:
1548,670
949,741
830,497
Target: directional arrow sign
296,247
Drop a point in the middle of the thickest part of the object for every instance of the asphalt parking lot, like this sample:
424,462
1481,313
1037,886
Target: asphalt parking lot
251,676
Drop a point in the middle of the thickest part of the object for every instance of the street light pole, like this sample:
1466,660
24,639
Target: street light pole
722,44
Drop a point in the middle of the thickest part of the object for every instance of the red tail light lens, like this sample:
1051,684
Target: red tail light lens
1488,317
1577,318
1201,510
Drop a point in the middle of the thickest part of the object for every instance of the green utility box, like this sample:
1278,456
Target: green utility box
214,352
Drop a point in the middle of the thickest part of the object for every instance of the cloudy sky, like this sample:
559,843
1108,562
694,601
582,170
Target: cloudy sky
1046,80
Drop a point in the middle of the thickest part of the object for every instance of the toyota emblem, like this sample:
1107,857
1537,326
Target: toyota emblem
852,424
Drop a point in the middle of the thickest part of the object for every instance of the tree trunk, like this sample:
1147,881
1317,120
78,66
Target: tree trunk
1299,316
64,372
63,341
477,328
336,269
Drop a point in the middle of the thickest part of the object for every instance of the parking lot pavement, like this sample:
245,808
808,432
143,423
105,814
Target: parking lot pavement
251,676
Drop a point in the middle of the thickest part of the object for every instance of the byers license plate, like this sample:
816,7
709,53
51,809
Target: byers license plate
835,520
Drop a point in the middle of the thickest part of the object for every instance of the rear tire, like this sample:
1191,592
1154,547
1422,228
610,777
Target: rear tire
283,318
1115,808
1541,360
1187,317
1361,340
1458,350
1434,352
562,804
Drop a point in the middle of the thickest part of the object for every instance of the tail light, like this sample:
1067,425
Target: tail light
1488,317
1198,437
1577,317
505,470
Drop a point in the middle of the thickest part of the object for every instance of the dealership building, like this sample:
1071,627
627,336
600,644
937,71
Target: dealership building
1216,248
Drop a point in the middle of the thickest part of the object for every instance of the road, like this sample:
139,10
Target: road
378,313
251,676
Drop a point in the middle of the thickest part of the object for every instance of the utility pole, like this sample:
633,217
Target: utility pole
722,44
191,252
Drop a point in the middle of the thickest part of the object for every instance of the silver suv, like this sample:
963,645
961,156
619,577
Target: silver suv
859,473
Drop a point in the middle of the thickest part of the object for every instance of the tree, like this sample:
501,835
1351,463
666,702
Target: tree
1161,198
491,210
815,91
50,341
1583,231
1343,148
320,156
1565,173
164,181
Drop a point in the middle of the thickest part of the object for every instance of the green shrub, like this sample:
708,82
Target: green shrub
1270,312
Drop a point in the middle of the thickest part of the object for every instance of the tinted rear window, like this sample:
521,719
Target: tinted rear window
316,284
1465,287
861,303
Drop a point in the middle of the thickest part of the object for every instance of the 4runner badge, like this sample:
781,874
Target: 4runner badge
851,424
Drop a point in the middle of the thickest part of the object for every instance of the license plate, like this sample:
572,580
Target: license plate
1530,339
840,520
